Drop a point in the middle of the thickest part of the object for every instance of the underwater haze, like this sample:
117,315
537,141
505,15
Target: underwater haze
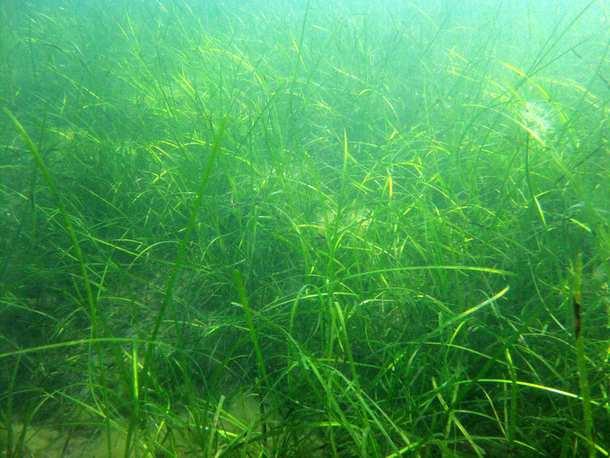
304,228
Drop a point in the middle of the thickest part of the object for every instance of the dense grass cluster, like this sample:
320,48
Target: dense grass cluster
304,229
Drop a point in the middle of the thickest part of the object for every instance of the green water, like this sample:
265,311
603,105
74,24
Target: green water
304,228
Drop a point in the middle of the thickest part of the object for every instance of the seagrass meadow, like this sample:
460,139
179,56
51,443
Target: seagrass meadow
304,228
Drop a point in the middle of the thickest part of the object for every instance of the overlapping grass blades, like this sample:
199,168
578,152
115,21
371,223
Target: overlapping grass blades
282,229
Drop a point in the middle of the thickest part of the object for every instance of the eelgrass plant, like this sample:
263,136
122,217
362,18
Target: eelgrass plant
283,229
